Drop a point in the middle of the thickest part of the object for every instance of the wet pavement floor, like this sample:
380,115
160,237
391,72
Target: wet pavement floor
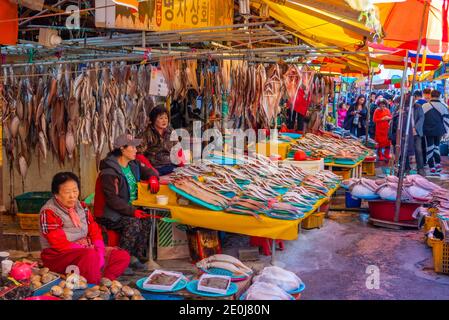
342,259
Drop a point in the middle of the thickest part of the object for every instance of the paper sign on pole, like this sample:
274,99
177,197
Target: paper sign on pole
158,85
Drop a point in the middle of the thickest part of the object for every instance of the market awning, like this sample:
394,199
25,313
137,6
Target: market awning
395,59
401,22
321,22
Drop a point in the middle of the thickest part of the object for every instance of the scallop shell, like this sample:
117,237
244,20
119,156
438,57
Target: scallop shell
62,284
36,284
115,289
90,294
106,282
117,284
104,289
128,291
82,285
105,295
35,278
95,288
82,298
44,271
137,297
67,297
67,291
57,291
47,277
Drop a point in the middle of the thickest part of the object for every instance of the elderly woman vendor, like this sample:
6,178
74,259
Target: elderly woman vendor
70,236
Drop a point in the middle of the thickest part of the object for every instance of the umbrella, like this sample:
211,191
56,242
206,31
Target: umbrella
429,29
395,59
401,23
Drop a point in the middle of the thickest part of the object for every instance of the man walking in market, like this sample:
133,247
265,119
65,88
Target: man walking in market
372,108
436,125
417,128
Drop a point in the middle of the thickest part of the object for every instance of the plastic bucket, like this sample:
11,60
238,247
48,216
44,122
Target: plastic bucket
352,202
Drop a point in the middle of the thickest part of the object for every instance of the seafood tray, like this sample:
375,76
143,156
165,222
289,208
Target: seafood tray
194,199
214,283
163,280
193,288
224,272
179,286
46,286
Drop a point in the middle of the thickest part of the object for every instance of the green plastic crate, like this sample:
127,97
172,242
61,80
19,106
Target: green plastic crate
32,202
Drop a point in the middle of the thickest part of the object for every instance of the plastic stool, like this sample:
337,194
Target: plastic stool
265,244
113,238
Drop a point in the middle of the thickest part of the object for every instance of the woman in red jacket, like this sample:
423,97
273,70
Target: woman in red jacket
70,236
381,118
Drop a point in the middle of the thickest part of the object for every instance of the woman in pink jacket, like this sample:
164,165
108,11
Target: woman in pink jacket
342,110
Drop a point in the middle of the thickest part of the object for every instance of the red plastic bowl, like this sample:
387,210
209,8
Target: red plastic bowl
43,298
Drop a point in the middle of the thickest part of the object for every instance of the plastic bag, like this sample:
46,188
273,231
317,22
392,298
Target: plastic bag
360,191
266,291
284,279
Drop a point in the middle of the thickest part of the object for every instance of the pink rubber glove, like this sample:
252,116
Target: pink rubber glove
99,246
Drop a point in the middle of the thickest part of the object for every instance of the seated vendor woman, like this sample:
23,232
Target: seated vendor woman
70,236
158,144
115,191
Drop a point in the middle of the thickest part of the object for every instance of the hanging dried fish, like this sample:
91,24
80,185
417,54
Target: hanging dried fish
191,74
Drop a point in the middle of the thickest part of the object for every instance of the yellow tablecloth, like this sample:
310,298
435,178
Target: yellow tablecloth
195,215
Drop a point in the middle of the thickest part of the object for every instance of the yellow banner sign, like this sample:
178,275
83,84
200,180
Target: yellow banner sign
165,15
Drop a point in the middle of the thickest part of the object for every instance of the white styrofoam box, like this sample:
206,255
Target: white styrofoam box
312,166
148,285
213,290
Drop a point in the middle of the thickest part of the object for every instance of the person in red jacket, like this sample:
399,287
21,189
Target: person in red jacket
69,235
381,118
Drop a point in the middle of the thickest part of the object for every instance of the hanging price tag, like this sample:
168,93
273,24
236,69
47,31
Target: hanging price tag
158,85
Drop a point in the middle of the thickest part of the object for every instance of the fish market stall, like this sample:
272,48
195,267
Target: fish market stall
196,215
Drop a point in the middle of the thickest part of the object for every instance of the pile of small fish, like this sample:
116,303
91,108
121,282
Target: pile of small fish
258,186
56,109
323,146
